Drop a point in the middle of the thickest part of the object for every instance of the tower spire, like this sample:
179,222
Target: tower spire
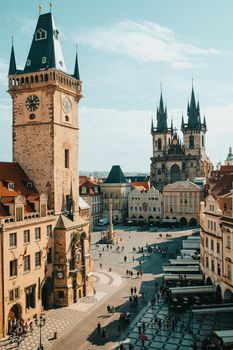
12,65
152,124
161,115
76,66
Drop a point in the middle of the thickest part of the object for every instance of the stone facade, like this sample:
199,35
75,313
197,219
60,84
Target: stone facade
116,188
145,206
216,232
89,190
46,237
173,160
181,202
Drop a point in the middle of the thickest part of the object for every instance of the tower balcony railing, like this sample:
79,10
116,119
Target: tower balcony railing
27,80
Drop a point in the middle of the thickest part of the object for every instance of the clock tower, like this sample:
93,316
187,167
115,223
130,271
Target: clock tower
45,117
45,143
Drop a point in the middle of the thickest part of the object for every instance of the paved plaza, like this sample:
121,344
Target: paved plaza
76,326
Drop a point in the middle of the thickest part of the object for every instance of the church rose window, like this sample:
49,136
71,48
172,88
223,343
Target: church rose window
40,34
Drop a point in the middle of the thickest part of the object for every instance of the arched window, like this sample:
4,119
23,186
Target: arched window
159,144
40,34
191,141
175,173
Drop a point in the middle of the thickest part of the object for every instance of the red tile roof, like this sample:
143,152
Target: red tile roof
19,179
141,184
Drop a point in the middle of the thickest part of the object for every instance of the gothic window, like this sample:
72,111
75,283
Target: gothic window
66,158
40,34
175,173
191,141
159,144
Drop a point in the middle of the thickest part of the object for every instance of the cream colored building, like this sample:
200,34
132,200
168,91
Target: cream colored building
145,206
116,188
45,235
216,229
181,202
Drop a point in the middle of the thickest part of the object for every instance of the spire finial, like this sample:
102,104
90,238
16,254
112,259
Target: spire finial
50,6
12,40
192,81
40,8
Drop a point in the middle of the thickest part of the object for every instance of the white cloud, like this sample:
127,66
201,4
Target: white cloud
145,41
109,136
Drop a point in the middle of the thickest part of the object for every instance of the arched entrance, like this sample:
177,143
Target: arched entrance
228,295
193,222
47,294
218,293
175,173
15,312
208,281
150,220
183,221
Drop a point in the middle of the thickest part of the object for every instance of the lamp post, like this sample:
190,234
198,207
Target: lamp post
40,322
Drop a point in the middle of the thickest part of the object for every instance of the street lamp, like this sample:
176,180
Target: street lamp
40,322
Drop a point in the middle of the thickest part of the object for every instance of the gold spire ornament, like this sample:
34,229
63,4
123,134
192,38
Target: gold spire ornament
40,8
50,5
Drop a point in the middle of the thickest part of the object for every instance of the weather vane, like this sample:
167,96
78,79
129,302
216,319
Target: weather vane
40,7
50,5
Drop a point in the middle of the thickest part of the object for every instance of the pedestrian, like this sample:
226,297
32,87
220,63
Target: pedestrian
137,274
131,290
100,255
135,290
141,273
98,327
139,328
143,327
131,273
101,265
94,291
133,261
127,272
125,258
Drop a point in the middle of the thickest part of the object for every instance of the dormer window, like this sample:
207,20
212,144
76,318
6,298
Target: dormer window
11,186
41,34
44,60
29,185
56,32
28,63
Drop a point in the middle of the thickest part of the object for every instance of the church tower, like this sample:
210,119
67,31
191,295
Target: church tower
45,143
161,138
45,116
194,131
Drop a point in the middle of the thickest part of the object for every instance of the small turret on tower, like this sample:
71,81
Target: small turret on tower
76,68
12,65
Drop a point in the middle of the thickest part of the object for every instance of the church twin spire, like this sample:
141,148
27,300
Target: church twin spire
45,51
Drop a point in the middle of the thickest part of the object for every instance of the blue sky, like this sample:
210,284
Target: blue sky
126,48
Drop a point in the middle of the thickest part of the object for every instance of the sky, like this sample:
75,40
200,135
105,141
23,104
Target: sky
127,49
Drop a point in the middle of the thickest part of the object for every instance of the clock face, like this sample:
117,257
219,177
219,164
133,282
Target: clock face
66,105
174,142
60,275
32,103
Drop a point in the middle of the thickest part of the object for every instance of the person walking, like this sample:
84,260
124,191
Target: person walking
131,290
125,258
135,290
99,328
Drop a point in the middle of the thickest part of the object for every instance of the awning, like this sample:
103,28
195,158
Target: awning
213,309
192,290
184,277
226,336
183,262
180,269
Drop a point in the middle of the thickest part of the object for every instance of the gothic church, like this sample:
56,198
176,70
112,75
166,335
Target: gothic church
173,160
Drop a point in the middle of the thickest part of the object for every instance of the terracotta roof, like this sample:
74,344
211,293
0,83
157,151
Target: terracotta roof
226,169
223,186
14,172
17,176
141,184
87,181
